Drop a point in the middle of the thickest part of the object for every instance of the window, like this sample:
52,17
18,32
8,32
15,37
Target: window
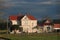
25,18
26,22
32,24
14,22
48,28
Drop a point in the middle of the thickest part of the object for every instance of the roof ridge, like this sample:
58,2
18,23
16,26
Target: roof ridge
31,17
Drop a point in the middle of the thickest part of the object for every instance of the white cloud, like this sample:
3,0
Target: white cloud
23,2
27,3
47,2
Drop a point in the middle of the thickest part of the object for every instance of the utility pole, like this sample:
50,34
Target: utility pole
7,25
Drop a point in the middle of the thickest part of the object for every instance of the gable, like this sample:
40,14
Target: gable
47,21
29,17
25,18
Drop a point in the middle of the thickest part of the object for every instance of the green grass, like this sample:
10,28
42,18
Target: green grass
44,36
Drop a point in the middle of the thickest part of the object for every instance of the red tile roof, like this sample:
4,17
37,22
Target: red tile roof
56,25
31,17
13,17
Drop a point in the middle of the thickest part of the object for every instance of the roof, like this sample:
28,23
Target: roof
19,17
47,22
56,25
13,17
31,17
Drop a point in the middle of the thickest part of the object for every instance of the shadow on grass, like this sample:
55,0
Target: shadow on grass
2,38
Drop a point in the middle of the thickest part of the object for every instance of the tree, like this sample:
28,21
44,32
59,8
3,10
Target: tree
1,17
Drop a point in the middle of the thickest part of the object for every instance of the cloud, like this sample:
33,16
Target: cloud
11,3
25,3
58,15
47,2
57,2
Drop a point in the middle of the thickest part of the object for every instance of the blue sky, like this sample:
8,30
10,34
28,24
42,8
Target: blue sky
37,8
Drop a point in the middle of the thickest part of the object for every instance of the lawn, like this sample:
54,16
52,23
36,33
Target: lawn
41,36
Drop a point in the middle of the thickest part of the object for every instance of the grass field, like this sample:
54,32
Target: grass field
41,36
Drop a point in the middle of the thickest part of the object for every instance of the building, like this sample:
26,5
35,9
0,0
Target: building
28,22
15,23
47,25
56,25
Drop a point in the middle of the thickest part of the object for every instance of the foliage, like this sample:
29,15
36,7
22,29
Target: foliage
2,26
13,27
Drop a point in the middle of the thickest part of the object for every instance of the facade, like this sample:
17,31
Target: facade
27,23
47,25
14,27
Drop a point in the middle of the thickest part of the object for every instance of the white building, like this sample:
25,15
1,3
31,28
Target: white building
14,24
47,25
28,22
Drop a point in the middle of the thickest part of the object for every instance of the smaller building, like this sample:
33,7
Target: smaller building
14,21
56,25
47,25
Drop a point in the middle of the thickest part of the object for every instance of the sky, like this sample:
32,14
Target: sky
37,8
